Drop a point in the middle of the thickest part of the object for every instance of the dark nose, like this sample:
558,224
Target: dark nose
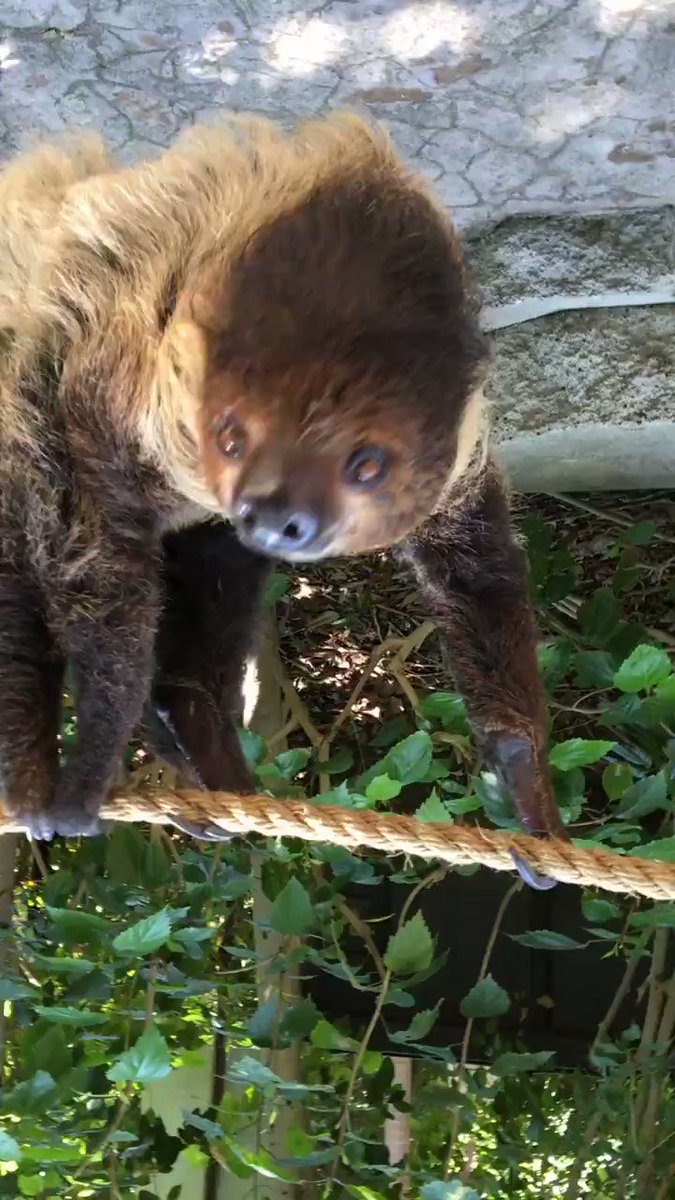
273,527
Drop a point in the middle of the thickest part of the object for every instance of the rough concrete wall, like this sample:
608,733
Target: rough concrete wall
584,398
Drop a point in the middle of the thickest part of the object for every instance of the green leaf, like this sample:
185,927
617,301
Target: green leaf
148,1059
486,999
65,1015
421,1025
276,588
515,1064
578,752
433,809
261,1026
299,1020
382,788
616,779
292,910
10,989
125,855
448,1189
661,851
46,1051
599,910
31,1097
259,1161
341,761
546,939
411,948
410,760
145,936
32,1185
639,534
644,797
55,965
249,1070
447,707
599,617
594,669
327,1037
252,745
291,762
661,915
77,927
644,668
10,1151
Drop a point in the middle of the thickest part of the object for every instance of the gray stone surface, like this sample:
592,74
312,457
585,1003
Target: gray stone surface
511,106
514,108
584,398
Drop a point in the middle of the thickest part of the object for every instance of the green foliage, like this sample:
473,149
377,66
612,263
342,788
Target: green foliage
135,948
486,999
411,948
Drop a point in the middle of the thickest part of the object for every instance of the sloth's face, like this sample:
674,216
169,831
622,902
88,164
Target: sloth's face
304,480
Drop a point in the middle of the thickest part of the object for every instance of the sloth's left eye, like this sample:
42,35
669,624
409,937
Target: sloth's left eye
367,467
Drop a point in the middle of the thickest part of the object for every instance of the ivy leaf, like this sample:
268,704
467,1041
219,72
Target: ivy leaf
448,1189
599,617
594,669
409,760
125,855
661,851
644,668
77,927
638,534
341,761
145,936
644,797
421,1024
599,909
448,708
252,745
486,999
262,1024
291,762
383,788
292,910
148,1059
411,948
299,1020
327,1037
65,1015
32,1096
578,752
10,1151
10,989
659,915
546,939
249,1070
433,809
616,779
514,1064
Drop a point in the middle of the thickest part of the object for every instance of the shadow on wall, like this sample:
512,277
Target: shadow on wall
507,105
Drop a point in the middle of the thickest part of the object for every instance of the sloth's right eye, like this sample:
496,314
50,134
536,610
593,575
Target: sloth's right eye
231,439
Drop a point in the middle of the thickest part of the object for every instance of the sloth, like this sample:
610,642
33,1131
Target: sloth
260,346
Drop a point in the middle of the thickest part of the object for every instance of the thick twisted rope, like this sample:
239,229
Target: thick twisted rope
458,845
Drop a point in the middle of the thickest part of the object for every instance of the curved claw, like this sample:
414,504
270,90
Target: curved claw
203,833
541,883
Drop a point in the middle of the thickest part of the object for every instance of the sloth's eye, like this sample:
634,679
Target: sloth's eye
231,438
367,467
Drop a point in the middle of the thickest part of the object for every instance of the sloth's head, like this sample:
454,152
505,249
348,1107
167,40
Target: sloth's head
335,363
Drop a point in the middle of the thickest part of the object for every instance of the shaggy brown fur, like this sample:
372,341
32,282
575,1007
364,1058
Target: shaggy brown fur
218,332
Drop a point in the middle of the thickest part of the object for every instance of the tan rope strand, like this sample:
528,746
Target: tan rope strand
458,845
